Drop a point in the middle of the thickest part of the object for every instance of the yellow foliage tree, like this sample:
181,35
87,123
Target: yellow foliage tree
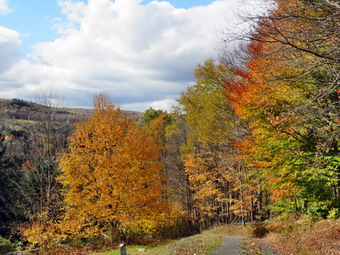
111,175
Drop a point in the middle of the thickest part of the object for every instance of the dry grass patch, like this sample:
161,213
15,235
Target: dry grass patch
322,238
232,230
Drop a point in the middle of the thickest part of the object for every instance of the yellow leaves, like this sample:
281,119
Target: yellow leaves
43,234
111,172
262,164
284,191
206,184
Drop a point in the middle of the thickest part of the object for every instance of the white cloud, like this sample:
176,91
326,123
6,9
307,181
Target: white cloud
141,55
9,48
4,7
166,105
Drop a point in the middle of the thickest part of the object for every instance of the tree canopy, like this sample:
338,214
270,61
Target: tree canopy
111,174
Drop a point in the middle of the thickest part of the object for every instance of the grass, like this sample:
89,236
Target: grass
130,250
288,236
16,124
201,244
231,230
303,237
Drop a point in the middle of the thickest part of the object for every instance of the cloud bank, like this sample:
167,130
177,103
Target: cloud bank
140,55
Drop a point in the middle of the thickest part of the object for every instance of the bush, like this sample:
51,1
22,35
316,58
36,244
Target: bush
260,230
284,206
333,214
43,235
318,209
19,103
7,246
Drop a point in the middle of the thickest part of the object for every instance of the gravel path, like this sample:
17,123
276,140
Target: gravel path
233,245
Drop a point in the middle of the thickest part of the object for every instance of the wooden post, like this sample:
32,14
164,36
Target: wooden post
122,249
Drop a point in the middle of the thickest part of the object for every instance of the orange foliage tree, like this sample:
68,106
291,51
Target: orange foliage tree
286,93
111,176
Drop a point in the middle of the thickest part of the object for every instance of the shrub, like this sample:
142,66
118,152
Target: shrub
260,230
318,209
7,246
19,103
43,235
333,214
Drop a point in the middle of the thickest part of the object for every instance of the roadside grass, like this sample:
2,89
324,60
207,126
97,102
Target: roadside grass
231,230
201,244
303,237
130,250
289,236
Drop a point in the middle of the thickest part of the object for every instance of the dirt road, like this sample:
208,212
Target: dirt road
234,245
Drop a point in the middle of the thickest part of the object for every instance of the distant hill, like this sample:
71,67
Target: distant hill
16,113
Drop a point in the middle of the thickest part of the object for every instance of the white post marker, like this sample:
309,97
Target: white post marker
122,249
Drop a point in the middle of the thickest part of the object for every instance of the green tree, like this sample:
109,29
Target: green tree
150,115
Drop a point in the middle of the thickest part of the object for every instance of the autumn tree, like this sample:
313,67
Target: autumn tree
111,176
217,178
287,92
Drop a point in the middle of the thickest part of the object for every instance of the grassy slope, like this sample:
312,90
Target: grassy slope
302,237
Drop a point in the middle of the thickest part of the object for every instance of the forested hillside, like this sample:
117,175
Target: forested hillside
256,137
32,136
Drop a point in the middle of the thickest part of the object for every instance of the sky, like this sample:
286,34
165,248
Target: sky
140,53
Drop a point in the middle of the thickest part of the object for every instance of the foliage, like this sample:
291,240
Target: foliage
318,209
10,174
210,126
7,246
111,177
28,169
150,115
19,103
254,137
45,235
334,214
291,108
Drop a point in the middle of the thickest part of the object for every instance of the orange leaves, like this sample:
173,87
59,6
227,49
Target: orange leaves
280,95
286,190
111,173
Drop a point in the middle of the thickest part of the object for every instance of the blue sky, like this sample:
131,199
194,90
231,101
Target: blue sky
141,53
34,19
